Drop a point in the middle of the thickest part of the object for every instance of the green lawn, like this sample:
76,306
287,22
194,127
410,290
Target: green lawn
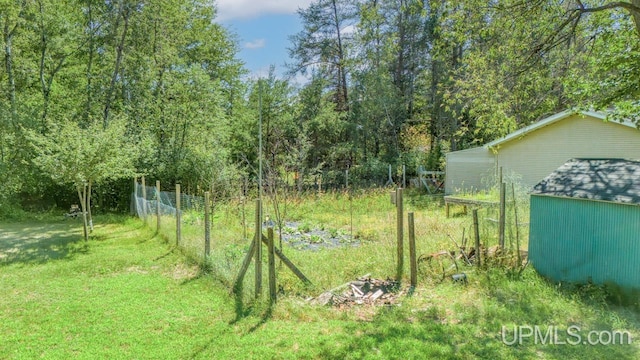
128,294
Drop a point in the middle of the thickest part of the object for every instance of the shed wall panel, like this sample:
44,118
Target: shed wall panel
580,240
535,155
469,170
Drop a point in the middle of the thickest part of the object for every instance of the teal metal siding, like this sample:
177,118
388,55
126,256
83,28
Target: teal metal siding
580,240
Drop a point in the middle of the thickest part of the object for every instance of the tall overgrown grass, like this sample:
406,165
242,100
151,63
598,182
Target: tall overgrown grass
368,216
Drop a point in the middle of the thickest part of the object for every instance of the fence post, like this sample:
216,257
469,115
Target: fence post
404,176
258,240
400,235
144,200
412,252
134,204
272,266
178,215
477,237
158,205
502,217
207,226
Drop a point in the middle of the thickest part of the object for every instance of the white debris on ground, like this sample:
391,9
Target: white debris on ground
364,290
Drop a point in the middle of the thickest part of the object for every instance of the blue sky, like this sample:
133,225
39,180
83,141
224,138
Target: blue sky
263,28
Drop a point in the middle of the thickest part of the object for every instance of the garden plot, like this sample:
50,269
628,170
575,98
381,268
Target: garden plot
302,236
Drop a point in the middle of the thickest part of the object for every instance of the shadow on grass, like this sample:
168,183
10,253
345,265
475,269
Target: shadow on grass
476,330
201,273
240,309
169,252
36,244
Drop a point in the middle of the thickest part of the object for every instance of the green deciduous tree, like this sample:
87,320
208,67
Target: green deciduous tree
81,157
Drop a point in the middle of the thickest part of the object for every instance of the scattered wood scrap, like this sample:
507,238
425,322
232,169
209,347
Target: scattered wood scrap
364,290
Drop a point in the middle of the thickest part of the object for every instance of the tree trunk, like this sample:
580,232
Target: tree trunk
82,193
44,82
636,15
89,207
8,56
125,13
342,76
89,100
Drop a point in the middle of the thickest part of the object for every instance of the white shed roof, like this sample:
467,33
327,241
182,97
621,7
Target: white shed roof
548,121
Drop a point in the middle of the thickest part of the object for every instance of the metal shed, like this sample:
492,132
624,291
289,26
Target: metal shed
585,223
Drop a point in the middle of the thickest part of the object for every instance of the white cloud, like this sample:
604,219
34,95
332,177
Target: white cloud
255,44
246,9
300,79
348,30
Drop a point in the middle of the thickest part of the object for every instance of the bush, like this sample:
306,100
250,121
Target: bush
371,173
12,212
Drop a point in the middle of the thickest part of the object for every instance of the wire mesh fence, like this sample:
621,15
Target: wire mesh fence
332,236
178,217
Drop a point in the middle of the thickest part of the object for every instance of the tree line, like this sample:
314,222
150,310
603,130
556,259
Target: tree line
96,91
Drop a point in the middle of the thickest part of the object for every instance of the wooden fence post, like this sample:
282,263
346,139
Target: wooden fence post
400,235
404,176
178,215
144,201
477,237
272,266
207,226
258,240
134,204
502,217
412,252
346,179
158,202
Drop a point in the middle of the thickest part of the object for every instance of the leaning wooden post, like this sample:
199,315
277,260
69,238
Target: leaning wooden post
144,200
400,234
237,284
207,226
502,217
178,215
412,252
288,263
477,237
158,205
272,266
258,240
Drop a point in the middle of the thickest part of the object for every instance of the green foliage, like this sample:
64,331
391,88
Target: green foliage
370,172
10,211
165,71
610,83
461,73
70,154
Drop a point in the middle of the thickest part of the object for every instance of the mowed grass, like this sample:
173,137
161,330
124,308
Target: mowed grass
129,293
